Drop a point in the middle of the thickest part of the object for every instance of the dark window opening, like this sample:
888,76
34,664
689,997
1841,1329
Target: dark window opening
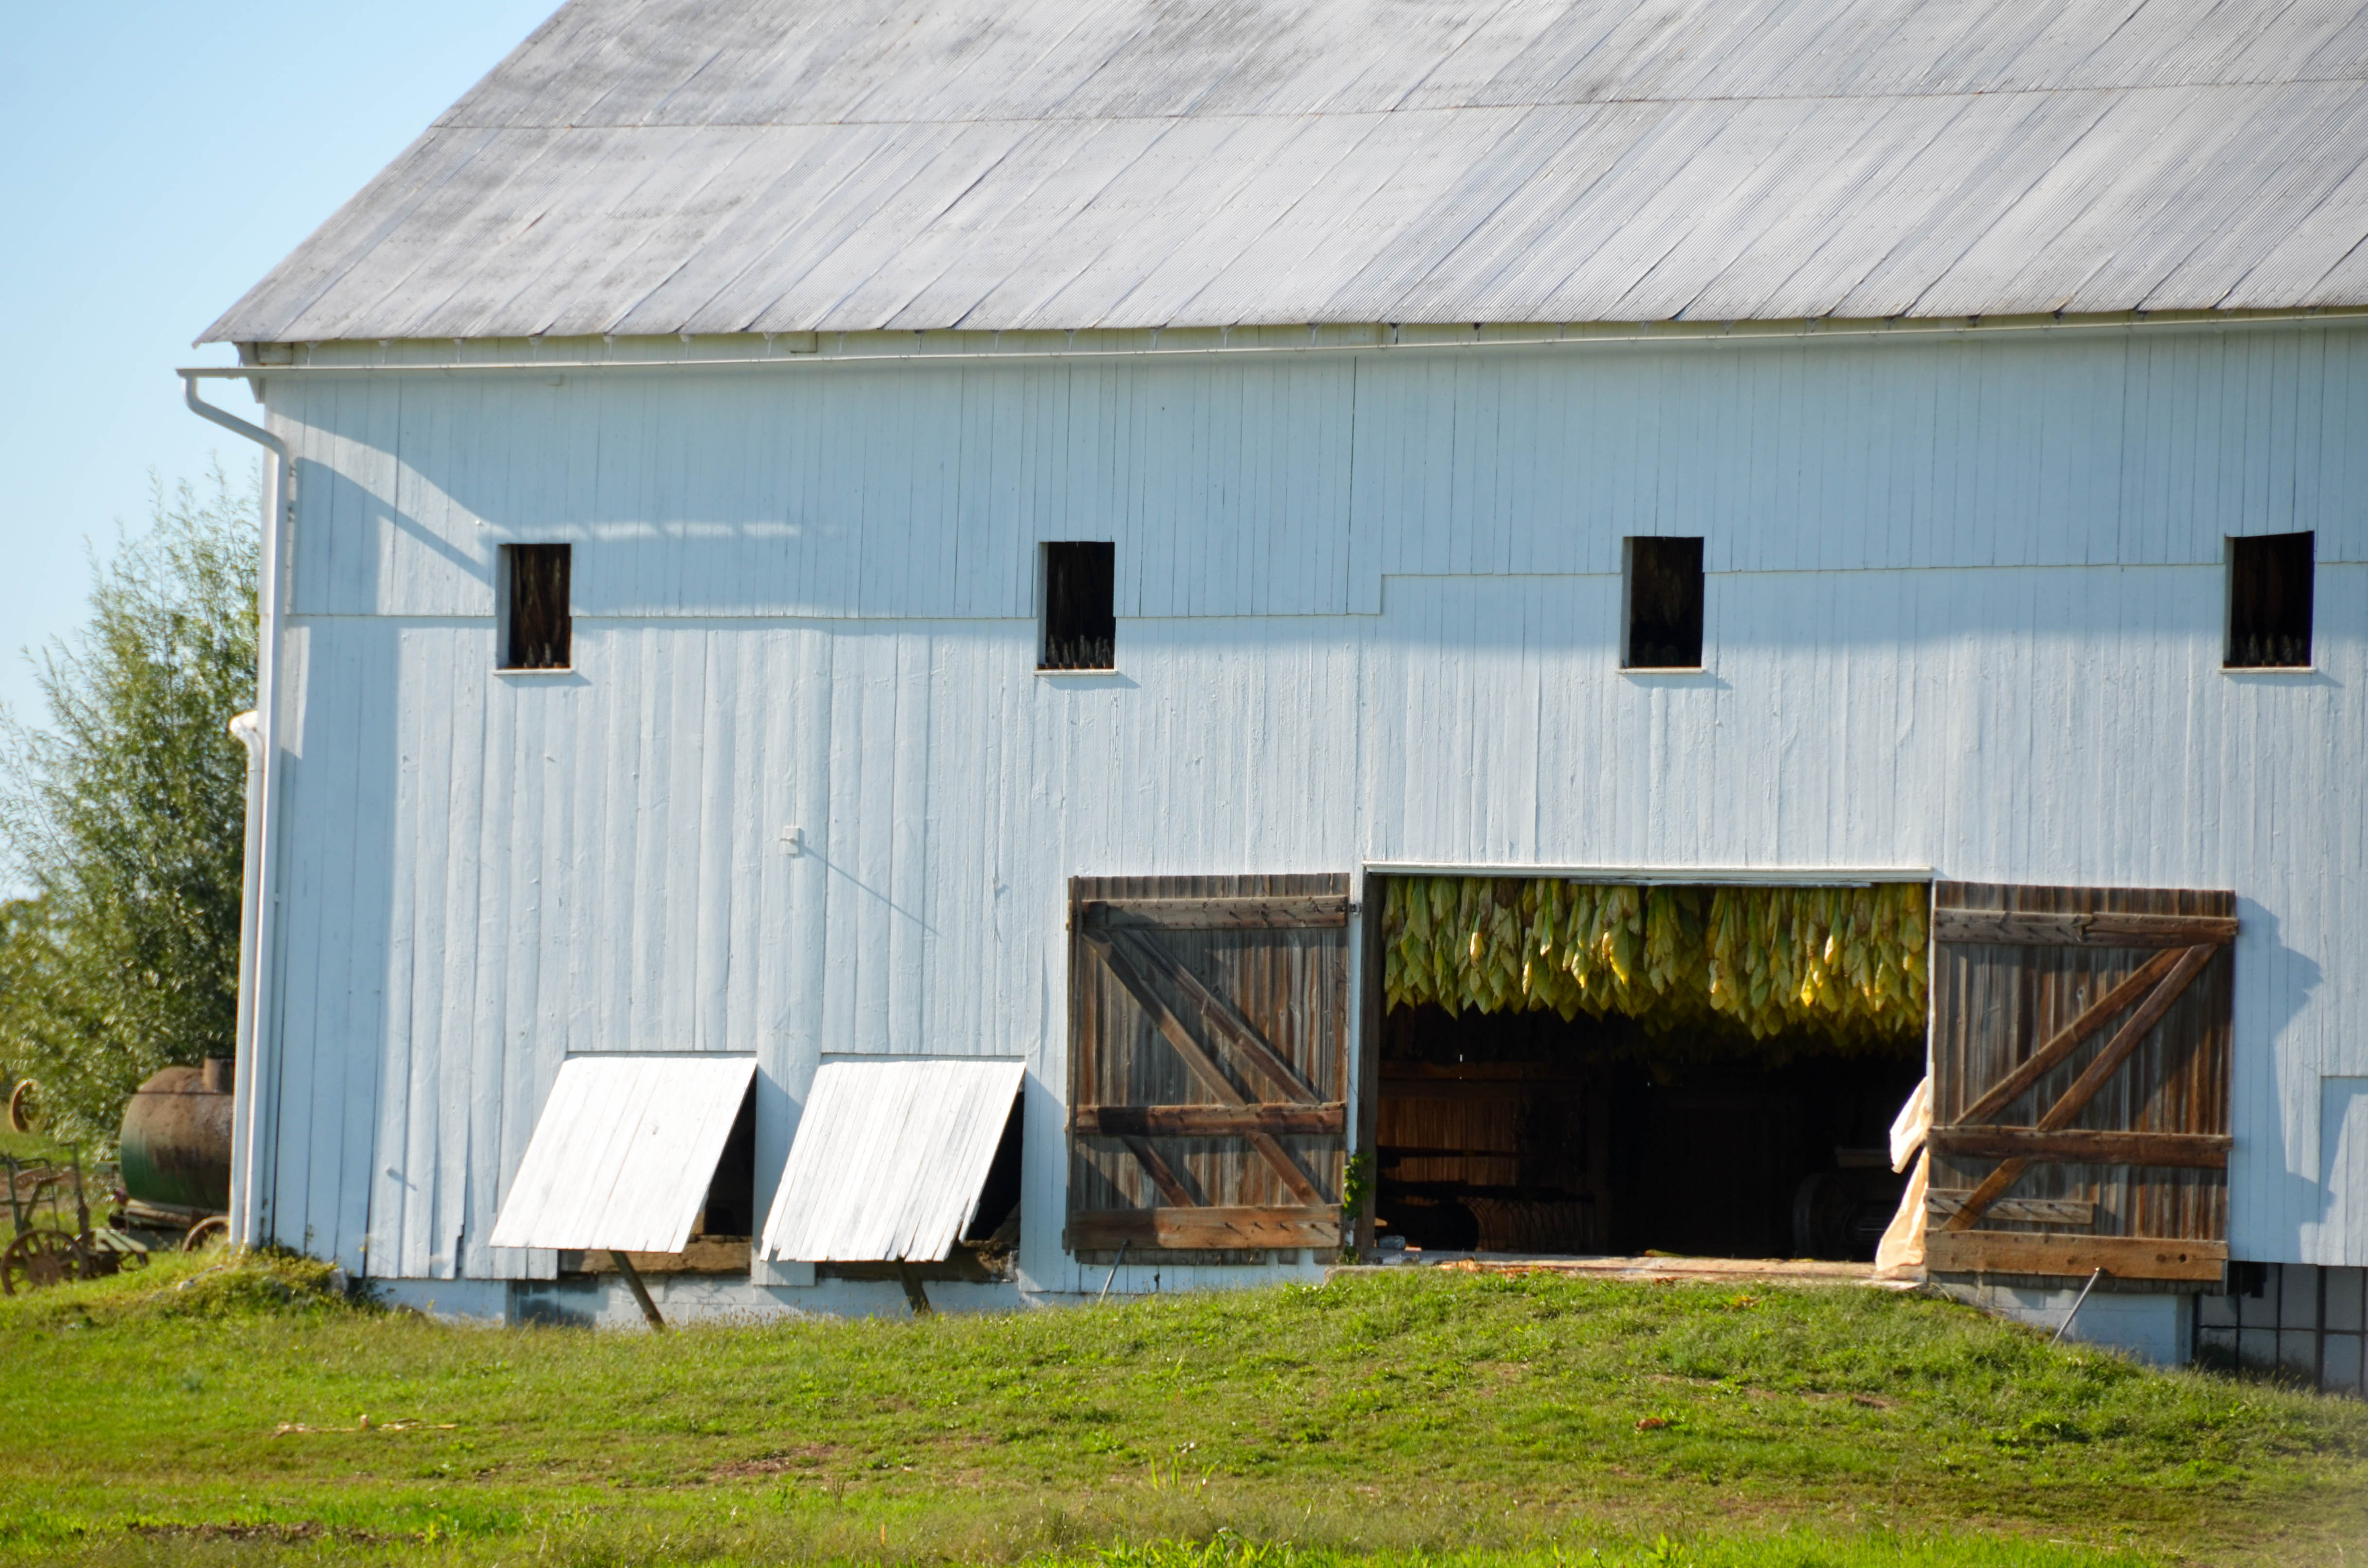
1080,620
538,632
1664,604
996,1219
731,1208
2269,601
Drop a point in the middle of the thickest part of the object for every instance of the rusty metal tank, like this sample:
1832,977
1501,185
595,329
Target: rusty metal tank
175,1146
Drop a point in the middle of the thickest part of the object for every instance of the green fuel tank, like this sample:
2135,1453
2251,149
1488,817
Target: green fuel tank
175,1145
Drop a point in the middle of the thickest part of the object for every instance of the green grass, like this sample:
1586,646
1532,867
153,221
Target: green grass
29,1146
181,1415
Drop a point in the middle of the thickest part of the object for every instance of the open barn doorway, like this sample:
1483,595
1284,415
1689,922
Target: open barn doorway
1591,1068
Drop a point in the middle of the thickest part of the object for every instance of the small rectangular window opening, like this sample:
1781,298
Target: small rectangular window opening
1663,627
536,632
2269,601
1080,629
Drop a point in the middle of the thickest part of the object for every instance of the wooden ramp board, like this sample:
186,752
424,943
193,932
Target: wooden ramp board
1739,1271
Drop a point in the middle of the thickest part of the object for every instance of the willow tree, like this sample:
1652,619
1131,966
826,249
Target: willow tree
123,815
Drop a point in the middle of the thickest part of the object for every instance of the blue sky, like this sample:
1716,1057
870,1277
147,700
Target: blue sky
162,158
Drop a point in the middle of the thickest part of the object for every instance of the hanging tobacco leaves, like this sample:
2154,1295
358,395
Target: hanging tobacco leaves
1847,960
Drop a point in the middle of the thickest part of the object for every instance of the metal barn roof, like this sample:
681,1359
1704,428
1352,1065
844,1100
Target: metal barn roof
889,1160
623,1151
643,167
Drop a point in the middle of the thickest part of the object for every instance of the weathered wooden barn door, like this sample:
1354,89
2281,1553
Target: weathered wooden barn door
1208,1062
2080,1058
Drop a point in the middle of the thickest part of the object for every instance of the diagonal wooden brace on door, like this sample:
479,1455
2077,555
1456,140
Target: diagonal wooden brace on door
1220,1015
2169,974
1123,957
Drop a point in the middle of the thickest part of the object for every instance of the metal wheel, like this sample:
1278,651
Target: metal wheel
25,1107
206,1232
36,1259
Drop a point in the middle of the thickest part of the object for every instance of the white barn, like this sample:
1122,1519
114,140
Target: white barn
790,513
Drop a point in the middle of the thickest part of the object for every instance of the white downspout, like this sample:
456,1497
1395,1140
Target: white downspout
256,1074
248,728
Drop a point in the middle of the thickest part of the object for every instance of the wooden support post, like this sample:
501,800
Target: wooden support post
641,1291
915,1292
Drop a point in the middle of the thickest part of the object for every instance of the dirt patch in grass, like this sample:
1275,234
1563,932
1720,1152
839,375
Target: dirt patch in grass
788,1461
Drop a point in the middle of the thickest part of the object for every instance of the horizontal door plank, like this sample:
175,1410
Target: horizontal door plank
2022,929
1279,913
1200,1230
2074,1257
2078,1146
1208,1121
2019,1210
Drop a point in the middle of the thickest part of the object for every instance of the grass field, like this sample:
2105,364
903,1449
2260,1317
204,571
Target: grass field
180,1415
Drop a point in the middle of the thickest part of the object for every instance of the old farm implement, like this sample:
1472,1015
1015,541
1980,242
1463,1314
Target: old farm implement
45,1249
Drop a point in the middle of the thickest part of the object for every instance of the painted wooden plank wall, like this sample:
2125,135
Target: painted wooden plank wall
1942,631
487,873
1290,487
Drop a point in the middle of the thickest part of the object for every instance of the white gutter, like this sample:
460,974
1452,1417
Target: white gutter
256,1080
1388,341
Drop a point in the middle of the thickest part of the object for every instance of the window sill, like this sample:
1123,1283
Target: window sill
536,670
2269,669
1078,670
1664,669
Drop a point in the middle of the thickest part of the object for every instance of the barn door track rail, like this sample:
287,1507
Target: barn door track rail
2189,943
1259,1096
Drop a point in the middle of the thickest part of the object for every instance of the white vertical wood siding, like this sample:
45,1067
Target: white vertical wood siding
1964,612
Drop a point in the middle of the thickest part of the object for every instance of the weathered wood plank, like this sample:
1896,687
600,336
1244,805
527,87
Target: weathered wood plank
2194,1151
2183,970
703,1255
1267,914
2101,929
2125,1039
1209,1120
1204,1229
2074,1257
2067,1039
1220,1015
1163,1175
1204,1066
2019,1210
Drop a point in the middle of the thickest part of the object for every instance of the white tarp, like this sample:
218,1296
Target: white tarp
623,1153
889,1160
1901,1251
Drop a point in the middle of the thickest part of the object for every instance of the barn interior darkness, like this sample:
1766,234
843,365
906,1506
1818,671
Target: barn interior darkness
1518,1131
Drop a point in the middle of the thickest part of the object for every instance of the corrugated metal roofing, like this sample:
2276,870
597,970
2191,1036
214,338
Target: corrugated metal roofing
644,166
889,1160
623,1153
